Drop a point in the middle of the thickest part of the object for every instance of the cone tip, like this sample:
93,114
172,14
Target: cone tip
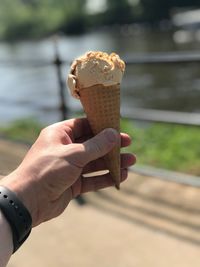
117,186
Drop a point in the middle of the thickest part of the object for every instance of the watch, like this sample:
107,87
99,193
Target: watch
17,216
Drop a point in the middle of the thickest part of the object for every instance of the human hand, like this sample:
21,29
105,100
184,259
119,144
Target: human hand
51,173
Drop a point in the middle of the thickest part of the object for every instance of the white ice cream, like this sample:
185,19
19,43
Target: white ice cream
95,68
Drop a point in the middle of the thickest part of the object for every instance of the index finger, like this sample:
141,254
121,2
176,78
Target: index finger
79,126
96,183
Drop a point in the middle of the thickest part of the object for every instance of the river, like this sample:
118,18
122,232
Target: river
31,90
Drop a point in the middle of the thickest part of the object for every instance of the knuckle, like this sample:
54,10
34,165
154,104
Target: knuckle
97,147
48,132
44,131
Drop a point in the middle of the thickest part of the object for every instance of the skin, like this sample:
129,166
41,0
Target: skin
50,175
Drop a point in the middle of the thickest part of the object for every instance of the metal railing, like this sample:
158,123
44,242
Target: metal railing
149,115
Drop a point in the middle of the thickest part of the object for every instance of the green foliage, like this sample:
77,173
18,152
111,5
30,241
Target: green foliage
167,146
24,18
20,19
118,12
26,130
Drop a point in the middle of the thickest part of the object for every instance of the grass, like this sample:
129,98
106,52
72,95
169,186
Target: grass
24,130
168,146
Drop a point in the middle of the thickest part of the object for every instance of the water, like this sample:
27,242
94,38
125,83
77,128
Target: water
28,90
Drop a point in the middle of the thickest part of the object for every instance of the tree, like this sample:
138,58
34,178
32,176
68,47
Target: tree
156,10
22,19
119,11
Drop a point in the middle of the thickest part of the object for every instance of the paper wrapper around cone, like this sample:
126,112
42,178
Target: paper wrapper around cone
102,107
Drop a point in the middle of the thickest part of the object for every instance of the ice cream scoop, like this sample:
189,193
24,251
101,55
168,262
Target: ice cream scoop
95,68
95,79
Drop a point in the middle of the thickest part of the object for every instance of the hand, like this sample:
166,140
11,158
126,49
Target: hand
51,173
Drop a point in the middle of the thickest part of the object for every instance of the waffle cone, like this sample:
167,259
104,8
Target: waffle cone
102,107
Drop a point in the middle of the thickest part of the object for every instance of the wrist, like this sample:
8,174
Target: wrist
17,216
6,244
19,185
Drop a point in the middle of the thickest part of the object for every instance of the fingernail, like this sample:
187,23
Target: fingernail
111,135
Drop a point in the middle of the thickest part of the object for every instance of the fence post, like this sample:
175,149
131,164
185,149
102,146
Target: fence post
58,64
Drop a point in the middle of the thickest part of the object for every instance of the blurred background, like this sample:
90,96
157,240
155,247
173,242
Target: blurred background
160,106
159,40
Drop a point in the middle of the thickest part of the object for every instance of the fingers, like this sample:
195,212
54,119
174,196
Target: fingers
100,145
104,142
97,147
126,160
99,182
125,140
80,127
77,127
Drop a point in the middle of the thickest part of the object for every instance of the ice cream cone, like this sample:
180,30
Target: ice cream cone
102,107
95,79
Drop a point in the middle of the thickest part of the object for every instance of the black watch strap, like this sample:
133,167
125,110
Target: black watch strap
17,216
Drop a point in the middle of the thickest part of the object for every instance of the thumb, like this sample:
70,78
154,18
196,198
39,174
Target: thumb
100,145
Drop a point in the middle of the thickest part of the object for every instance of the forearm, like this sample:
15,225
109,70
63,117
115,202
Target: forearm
6,243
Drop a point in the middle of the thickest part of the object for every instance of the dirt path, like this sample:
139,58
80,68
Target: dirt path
148,222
